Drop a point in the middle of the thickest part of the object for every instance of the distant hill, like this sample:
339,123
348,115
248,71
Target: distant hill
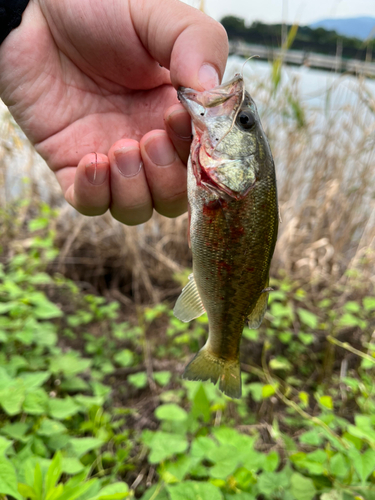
357,27
307,38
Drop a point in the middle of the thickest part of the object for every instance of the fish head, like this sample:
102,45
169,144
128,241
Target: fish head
229,143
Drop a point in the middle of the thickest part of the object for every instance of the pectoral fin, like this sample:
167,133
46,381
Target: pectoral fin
257,314
189,304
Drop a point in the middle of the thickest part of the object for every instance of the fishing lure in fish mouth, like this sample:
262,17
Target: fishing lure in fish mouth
233,223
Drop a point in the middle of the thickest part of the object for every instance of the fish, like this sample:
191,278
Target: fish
233,224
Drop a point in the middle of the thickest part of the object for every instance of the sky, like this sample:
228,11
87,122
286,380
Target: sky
290,11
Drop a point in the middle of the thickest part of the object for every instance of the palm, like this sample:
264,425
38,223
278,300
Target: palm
83,76
84,97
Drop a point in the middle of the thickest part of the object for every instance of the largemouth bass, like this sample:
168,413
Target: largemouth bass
233,222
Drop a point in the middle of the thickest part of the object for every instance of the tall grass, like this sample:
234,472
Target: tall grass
326,181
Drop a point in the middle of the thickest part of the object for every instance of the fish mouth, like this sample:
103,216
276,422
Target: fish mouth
197,102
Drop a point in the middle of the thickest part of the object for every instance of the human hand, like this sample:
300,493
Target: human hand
83,81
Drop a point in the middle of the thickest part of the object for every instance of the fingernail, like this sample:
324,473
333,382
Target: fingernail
208,76
180,123
97,172
128,161
160,150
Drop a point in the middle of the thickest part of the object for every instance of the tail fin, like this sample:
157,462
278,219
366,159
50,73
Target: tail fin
206,366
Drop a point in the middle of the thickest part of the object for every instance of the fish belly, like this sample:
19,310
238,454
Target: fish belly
232,243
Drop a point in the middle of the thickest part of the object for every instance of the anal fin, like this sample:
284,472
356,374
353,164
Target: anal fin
189,304
256,316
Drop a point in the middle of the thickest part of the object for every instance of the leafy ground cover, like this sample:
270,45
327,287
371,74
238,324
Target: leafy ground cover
92,404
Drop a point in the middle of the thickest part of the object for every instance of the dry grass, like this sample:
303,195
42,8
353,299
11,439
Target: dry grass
326,180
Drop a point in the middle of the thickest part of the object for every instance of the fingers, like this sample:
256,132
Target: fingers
192,45
178,126
134,178
86,187
166,174
146,176
131,198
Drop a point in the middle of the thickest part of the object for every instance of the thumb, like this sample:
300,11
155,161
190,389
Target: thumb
193,46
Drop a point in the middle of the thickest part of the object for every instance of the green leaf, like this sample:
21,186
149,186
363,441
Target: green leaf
51,428
54,472
34,380
333,495
89,401
85,491
60,409
164,445
270,482
39,223
74,384
304,398
115,491
326,401
280,363
8,479
40,279
308,318
255,389
352,306
364,464
250,334
314,462
72,466
271,462
338,466
363,428
226,460
173,472
12,398
139,380
171,412
81,446
156,492
69,364
26,491
5,444
162,378
124,358
268,391
306,338
36,402
44,309
194,490
240,496
369,303
302,487
201,404
201,447
278,310
16,431
348,319
312,437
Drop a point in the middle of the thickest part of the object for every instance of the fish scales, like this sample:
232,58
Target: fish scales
233,228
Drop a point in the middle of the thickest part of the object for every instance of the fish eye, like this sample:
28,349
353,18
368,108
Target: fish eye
245,119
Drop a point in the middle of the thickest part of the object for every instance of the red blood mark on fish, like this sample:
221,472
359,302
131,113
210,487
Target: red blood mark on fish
224,266
211,207
236,232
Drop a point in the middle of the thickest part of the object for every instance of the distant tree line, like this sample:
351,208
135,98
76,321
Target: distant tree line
307,39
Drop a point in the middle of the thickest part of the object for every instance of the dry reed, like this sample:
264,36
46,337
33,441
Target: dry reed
326,180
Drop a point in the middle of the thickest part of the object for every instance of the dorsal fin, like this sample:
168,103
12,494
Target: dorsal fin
189,304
